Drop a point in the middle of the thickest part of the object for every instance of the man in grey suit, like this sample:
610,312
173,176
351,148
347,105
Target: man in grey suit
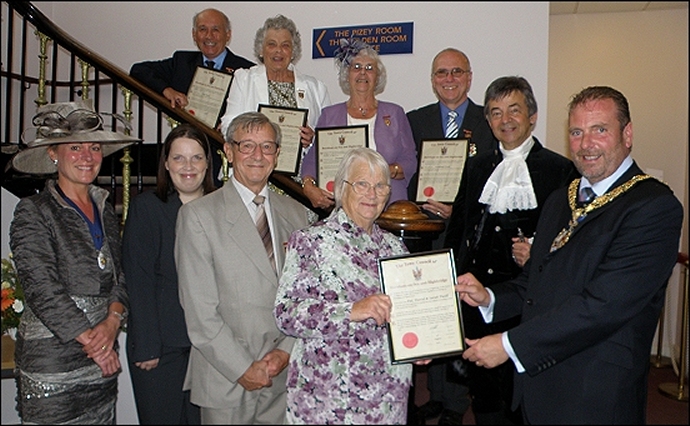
228,284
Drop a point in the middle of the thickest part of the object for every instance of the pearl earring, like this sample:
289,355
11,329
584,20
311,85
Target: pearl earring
55,161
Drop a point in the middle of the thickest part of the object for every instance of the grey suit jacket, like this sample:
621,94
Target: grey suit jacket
227,290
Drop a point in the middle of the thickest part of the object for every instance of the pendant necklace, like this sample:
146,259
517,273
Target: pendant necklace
95,227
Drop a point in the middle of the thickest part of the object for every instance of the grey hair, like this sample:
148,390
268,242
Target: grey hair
278,22
355,156
228,27
344,70
250,121
504,86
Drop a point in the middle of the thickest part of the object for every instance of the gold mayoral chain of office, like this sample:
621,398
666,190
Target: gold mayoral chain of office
580,213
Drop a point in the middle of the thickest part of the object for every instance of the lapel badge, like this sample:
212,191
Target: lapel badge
300,93
387,120
473,149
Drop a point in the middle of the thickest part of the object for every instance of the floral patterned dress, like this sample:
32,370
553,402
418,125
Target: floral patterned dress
339,371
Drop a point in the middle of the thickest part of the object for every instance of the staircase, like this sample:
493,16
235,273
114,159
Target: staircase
42,64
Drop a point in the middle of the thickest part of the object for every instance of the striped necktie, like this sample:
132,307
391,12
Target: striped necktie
264,230
451,126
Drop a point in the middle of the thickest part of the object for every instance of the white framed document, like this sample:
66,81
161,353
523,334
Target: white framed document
426,320
440,167
331,145
207,95
290,120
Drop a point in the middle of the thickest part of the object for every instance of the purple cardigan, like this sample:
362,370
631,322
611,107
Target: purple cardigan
393,136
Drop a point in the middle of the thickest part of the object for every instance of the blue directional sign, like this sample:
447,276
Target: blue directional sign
385,38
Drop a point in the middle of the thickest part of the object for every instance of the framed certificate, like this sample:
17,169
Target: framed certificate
331,144
207,94
289,120
426,320
440,169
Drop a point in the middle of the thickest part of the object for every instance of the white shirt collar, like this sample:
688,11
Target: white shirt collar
603,186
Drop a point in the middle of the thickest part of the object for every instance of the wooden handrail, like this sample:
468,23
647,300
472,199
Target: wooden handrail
120,77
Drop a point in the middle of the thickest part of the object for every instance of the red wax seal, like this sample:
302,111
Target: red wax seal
410,340
330,185
429,191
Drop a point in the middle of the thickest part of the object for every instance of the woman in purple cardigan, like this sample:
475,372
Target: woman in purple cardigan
362,76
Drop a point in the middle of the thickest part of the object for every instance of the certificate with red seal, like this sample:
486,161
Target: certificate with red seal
425,318
440,169
331,145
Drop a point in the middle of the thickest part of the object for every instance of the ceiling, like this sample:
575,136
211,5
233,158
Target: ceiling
574,7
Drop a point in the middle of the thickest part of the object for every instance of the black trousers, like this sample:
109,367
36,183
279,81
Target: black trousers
158,393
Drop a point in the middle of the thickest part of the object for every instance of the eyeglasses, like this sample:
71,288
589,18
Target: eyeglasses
359,67
248,147
362,187
455,72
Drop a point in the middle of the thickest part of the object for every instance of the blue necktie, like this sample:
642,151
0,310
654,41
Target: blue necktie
211,65
451,126
586,195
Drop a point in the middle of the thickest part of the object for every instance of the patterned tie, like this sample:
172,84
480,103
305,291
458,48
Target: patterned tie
211,65
586,195
264,230
451,125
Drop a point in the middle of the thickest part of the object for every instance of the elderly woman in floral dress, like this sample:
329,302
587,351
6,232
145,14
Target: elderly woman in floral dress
329,299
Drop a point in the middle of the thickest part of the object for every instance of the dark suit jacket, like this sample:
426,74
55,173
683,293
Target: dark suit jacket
590,309
487,253
156,318
426,123
178,71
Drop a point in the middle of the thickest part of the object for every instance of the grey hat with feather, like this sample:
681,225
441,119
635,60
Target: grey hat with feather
65,122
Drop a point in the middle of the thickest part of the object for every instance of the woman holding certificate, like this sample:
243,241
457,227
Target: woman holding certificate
362,76
329,299
275,80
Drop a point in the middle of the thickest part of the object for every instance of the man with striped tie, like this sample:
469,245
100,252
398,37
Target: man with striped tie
229,253
453,116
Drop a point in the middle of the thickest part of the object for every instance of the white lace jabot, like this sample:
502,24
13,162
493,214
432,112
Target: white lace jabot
509,187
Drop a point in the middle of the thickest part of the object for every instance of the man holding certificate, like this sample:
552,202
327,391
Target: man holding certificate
455,116
172,77
592,292
499,201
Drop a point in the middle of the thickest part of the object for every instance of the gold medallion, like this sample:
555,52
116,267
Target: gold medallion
579,213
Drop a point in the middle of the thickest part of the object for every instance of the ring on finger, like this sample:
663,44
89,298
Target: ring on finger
104,347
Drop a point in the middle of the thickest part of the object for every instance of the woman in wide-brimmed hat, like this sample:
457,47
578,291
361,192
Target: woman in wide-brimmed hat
66,246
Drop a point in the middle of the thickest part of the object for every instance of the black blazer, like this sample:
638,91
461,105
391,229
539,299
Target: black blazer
590,309
156,318
482,242
178,71
426,123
